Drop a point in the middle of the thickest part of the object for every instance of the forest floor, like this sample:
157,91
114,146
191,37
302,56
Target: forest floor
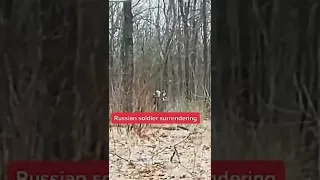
161,154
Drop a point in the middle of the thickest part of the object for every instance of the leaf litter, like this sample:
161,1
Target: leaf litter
164,155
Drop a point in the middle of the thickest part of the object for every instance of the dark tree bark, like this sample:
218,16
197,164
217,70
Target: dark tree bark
127,56
307,83
54,76
184,10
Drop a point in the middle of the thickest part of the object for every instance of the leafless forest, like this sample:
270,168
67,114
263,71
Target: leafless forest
266,83
54,73
160,45
59,82
54,80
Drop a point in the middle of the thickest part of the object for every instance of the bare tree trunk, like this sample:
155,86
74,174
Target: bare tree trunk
205,45
193,54
180,74
184,10
127,58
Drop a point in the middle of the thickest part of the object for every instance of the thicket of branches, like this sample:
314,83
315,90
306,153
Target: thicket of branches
54,80
54,70
158,45
266,57
54,73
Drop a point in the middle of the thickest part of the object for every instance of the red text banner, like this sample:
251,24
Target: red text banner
42,170
155,118
248,170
